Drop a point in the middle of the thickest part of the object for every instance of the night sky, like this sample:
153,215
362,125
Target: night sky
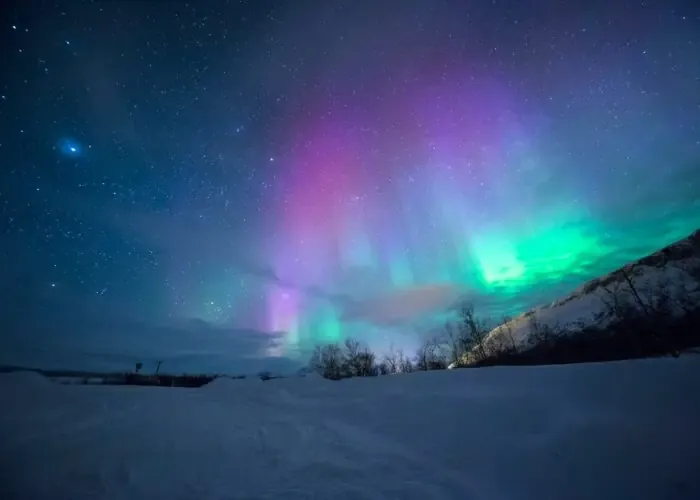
221,185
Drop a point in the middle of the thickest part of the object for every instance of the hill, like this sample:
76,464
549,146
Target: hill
657,296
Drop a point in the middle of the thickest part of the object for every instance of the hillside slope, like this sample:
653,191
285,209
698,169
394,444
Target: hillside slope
671,273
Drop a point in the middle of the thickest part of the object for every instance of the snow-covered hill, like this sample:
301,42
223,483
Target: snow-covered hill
589,431
674,271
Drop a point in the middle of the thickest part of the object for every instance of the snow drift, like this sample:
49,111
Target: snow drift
598,431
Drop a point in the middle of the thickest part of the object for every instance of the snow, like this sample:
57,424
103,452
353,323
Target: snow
224,383
314,377
32,381
581,307
598,431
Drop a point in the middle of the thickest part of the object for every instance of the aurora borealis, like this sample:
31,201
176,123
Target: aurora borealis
291,173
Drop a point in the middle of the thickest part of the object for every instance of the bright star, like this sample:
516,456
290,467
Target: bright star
69,147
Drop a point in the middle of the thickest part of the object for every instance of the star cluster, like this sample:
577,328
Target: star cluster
314,170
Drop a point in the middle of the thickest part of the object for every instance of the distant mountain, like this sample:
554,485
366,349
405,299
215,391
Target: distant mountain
671,273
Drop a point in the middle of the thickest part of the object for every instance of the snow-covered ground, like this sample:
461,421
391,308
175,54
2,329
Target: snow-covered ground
600,431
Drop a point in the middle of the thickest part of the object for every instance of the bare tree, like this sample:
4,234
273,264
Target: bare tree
365,365
430,355
359,360
473,332
405,364
391,361
635,293
466,341
455,344
352,348
384,368
396,361
503,342
509,344
541,334
328,361
352,359
627,314
687,291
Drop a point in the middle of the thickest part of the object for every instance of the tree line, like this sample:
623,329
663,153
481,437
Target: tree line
636,319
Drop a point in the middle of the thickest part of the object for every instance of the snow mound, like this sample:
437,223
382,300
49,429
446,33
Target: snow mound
24,380
577,432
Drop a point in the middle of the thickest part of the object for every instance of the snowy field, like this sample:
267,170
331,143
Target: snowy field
627,430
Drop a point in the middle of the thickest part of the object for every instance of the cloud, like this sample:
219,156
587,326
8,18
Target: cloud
404,305
68,335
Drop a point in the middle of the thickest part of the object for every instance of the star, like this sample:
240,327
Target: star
69,147
342,162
